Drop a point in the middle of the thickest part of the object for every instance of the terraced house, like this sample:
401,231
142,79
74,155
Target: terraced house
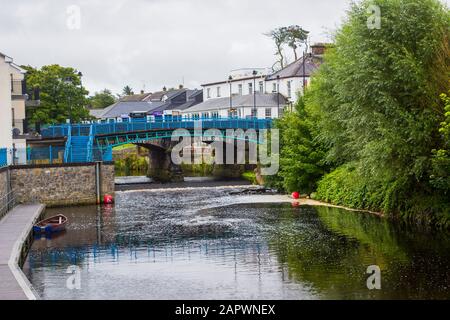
14,99
258,92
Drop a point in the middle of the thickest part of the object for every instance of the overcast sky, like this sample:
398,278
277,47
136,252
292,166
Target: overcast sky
156,43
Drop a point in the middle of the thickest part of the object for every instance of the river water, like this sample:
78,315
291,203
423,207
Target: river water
210,243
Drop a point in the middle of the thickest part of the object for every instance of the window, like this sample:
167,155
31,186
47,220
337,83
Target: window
208,93
254,113
250,88
240,89
218,92
274,87
215,114
268,113
289,89
205,115
261,87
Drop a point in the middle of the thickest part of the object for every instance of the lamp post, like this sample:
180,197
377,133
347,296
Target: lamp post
230,78
254,94
304,71
68,80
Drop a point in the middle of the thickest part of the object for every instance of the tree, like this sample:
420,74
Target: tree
377,101
296,37
279,36
301,157
127,91
292,36
102,99
61,94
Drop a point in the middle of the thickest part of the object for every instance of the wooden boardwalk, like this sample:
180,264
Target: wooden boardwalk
15,230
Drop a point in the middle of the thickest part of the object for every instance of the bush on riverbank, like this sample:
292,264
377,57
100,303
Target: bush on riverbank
250,176
373,118
198,170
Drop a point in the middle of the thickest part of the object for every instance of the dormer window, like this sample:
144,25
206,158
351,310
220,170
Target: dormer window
164,98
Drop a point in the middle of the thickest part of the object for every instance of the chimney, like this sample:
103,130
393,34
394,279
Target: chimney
142,91
164,89
180,86
318,49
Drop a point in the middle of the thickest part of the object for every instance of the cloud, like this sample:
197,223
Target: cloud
156,43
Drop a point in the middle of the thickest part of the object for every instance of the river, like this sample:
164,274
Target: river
214,243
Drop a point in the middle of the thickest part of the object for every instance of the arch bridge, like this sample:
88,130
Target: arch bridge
93,141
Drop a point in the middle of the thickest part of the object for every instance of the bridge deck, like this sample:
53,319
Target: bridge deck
14,228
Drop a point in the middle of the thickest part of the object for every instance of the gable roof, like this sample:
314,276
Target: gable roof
135,97
126,107
295,69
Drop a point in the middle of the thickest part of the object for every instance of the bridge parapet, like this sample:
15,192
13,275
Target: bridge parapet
84,129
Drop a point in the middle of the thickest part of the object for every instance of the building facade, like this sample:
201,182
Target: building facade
241,85
6,123
14,99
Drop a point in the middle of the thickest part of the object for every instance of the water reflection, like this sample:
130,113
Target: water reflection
166,245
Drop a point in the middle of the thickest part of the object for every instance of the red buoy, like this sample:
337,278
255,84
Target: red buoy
295,195
108,199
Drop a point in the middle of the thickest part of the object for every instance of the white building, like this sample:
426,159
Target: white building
13,103
268,105
6,127
242,84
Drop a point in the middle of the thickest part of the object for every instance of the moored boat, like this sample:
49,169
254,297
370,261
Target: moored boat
50,225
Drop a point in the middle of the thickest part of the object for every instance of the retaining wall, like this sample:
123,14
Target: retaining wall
61,184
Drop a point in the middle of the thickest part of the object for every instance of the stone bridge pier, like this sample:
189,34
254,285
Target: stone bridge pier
230,162
161,168
234,161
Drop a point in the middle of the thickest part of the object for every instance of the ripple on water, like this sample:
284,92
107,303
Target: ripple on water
200,244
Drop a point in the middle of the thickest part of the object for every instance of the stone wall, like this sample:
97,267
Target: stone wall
3,182
61,184
3,191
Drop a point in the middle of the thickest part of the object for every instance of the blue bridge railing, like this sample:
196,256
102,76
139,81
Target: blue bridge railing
112,127
35,155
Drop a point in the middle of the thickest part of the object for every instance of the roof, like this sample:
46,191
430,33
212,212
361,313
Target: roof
233,80
157,96
262,100
295,69
135,97
97,113
149,105
193,97
126,107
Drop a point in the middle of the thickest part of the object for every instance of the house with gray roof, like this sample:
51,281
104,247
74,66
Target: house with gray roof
165,102
268,105
289,81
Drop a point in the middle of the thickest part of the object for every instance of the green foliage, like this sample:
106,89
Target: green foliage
377,116
102,99
61,93
202,169
293,36
127,91
131,164
440,174
301,157
250,176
